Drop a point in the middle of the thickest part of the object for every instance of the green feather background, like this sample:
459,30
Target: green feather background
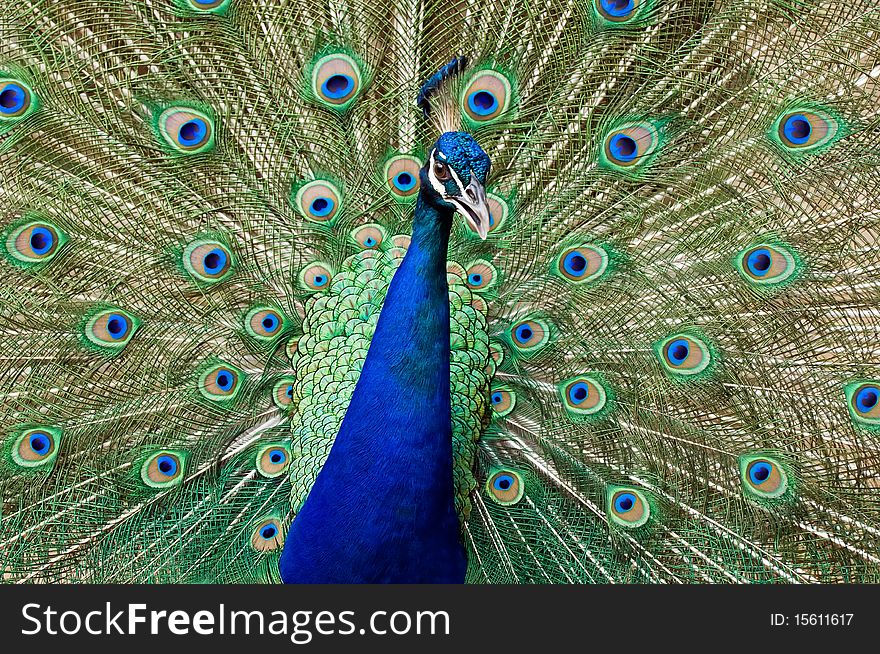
703,89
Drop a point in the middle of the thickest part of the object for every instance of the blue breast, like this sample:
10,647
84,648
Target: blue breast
382,508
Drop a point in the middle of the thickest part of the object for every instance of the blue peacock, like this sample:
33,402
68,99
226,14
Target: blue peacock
429,291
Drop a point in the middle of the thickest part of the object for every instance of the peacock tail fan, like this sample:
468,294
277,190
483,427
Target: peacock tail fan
665,363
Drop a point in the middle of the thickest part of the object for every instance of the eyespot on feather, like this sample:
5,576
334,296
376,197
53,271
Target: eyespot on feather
496,352
164,469
186,130
630,146
208,261
319,201
530,335
221,382
264,323
336,80
619,12
806,130
487,96
763,477
863,403
282,392
627,507
480,276
498,212
767,265
110,329
683,355
267,535
581,264
370,236
273,460
401,175
217,7
583,396
36,446
505,486
503,401
17,101
316,276
34,242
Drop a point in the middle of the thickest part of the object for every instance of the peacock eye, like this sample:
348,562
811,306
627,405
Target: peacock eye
33,243
583,396
208,261
36,447
627,507
186,130
163,469
441,172
766,265
863,399
110,329
503,401
221,382
683,355
16,100
505,487
267,535
273,460
763,477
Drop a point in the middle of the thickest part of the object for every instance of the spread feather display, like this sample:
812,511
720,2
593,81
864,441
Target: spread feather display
632,334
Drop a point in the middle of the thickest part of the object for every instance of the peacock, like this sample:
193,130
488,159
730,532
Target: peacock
485,291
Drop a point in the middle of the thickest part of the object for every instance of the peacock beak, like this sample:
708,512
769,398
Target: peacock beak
472,204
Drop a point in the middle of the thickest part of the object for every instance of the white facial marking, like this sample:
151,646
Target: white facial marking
436,183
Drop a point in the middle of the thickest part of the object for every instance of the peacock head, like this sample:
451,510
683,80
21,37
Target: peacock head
454,177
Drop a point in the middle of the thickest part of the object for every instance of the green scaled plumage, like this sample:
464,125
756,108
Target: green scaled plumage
661,171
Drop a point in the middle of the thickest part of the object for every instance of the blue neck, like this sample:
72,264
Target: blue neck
382,508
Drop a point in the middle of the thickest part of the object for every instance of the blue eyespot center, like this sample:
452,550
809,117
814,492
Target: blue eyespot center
320,280
497,398
404,181
277,456
269,532
289,391
759,262
482,103
623,147
192,132
270,323
575,264
369,242
41,240
578,392
167,466
475,279
321,206
337,86
617,8
759,472
503,482
678,351
797,129
12,99
215,261
624,502
225,380
40,443
117,326
524,333
867,398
